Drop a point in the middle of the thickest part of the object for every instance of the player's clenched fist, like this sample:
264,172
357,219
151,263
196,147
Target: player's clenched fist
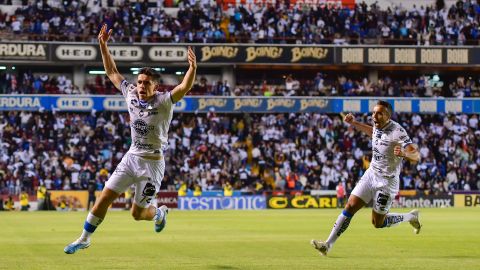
397,151
349,118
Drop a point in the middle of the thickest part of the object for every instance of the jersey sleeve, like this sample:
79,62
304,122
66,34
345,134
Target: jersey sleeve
125,87
402,137
165,100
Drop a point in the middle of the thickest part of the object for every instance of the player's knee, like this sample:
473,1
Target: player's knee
137,215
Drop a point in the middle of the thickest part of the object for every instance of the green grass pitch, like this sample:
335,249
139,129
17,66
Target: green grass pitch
269,239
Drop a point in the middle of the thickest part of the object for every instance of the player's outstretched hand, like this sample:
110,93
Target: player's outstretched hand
397,151
192,60
103,35
349,118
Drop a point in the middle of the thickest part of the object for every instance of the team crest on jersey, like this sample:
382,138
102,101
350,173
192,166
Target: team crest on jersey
141,127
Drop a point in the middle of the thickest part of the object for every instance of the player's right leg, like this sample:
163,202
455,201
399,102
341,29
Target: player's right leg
343,221
94,219
120,180
361,195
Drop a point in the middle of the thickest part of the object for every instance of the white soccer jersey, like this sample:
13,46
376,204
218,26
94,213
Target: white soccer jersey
149,125
384,163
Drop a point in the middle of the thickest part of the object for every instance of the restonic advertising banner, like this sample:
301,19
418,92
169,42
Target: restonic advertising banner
221,203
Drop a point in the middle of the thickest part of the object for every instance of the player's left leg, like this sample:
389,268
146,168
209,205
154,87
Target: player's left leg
146,192
381,218
142,208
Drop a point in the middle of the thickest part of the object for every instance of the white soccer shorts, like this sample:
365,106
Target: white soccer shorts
145,174
382,191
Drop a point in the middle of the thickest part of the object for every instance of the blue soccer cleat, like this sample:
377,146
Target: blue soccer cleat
160,224
73,247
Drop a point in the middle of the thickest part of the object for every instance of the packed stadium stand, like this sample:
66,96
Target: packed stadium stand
218,22
254,152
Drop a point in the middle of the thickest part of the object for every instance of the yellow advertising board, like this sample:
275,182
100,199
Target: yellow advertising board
73,199
467,200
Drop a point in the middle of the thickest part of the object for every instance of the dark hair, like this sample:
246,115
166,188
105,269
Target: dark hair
150,72
387,105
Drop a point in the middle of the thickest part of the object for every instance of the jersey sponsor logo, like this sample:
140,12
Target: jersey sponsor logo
377,155
141,127
148,190
143,113
145,146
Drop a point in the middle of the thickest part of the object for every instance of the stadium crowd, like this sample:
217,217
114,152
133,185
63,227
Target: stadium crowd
253,152
207,22
322,84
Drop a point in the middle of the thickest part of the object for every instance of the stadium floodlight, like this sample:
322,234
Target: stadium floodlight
13,68
179,73
3,67
97,72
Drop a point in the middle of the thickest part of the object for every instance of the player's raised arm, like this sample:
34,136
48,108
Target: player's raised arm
410,152
350,119
108,63
182,89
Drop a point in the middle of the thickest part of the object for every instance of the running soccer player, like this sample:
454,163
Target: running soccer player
391,144
143,165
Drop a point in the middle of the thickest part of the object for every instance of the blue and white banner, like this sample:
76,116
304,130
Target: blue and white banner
222,203
244,104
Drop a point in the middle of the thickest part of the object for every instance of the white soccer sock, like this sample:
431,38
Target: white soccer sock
393,219
340,226
158,215
90,225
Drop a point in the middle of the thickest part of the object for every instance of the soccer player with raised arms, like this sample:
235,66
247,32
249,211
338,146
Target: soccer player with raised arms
143,165
390,145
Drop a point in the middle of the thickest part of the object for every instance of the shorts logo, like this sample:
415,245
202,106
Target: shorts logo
141,127
148,190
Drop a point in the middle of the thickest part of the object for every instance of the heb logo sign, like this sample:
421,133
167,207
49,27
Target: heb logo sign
167,53
302,202
222,203
126,53
75,103
76,52
467,200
